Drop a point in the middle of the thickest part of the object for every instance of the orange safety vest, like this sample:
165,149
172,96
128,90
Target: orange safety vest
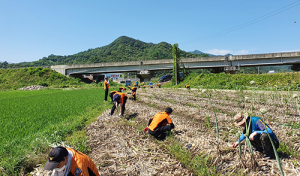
159,120
106,85
123,95
82,165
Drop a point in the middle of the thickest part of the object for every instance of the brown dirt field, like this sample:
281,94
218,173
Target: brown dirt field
119,147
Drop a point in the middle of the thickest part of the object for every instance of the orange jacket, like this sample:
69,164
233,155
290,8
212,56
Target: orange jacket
82,165
106,85
159,120
123,95
133,88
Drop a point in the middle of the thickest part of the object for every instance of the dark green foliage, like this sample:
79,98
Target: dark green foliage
122,49
265,69
295,67
3,64
18,78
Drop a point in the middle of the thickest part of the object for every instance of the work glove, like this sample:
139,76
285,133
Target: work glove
146,129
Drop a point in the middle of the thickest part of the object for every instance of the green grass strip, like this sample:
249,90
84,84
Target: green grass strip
195,163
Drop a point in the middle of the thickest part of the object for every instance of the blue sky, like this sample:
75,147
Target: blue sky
33,29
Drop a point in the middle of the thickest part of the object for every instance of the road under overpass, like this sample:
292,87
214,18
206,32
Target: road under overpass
145,69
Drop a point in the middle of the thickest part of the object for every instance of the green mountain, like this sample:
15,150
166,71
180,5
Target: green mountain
122,49
200,52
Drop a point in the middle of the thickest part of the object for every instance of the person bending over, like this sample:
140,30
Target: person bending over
258,134
119,99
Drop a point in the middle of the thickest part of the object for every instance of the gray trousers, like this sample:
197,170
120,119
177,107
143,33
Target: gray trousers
263,144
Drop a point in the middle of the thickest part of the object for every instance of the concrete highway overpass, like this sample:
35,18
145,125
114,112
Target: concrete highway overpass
145,69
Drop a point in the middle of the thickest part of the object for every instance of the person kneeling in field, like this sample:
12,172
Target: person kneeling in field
66,161
119,99
258,134
187,86
161,124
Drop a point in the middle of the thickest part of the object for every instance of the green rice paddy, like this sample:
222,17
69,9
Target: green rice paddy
30,120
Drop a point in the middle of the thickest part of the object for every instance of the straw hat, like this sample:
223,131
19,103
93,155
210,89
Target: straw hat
240,118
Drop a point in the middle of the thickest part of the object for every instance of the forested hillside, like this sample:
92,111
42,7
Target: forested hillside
122,49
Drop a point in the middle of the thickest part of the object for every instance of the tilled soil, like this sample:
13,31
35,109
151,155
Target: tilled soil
120,147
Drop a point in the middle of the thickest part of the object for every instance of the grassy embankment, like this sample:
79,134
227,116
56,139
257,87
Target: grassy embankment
12,79
275,81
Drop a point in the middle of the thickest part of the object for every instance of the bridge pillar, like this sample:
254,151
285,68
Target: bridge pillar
145,75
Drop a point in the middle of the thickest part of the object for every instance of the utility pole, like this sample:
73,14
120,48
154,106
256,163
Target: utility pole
176,69
176,55
258,70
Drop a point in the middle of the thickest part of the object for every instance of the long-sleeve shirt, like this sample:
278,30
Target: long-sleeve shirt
257,125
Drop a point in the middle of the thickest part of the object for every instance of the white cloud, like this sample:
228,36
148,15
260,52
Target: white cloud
224,52
241,52
295,50
218,52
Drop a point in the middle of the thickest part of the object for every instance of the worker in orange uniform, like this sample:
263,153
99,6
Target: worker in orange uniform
187,86
106,87
111,95
67,161
133,93
119,99
159,85
161,124
122,89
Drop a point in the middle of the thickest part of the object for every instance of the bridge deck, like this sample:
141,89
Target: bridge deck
286,58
